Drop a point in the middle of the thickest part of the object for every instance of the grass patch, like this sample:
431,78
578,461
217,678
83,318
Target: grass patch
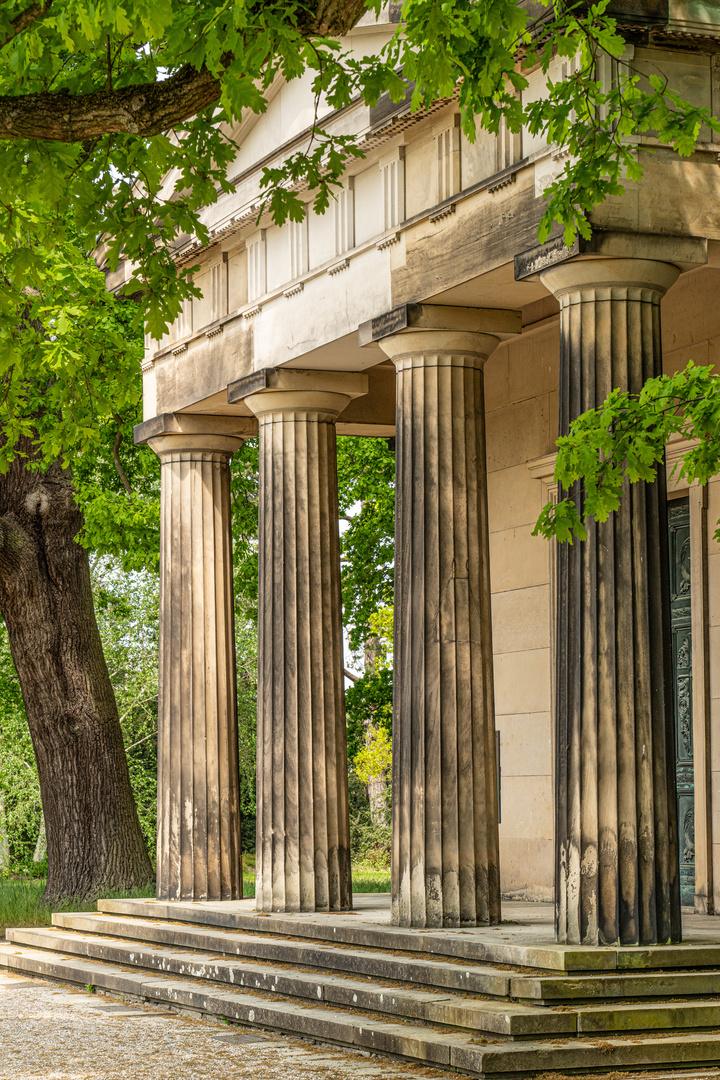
21,902
364,881
21,898
370,880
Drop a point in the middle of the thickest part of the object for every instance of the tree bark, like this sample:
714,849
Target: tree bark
93,834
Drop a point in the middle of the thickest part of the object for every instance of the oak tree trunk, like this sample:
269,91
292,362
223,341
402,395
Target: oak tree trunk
94,840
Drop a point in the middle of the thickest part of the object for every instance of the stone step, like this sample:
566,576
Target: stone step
416,970
505,1019
657,1016
561,989
414,1042
429,1006
486,945
314,1021
347,928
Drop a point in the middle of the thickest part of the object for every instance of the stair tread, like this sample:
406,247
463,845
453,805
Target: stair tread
452,1009
444,973
493,945
349,928
508,1019
416,1042
558,990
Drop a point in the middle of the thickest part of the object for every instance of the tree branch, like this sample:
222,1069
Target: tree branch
148,108
144,110
145,739
21,22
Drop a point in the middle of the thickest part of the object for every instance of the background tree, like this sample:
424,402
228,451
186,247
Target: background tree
366,481
19,785
366,487
60,334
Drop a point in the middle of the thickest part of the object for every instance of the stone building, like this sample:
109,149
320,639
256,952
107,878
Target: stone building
421,306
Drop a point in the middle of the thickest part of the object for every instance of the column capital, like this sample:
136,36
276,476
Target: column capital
440,327
195,447
593,275
195,433
439,348
686,252
321,395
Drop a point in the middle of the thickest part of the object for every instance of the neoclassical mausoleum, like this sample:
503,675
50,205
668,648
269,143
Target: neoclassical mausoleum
556,730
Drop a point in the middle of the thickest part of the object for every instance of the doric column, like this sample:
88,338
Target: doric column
198,850
303,829
445,868
617,856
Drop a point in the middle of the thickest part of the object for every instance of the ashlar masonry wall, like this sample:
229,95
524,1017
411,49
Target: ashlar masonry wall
521,379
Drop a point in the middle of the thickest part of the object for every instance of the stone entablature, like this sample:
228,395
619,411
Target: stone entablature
420,174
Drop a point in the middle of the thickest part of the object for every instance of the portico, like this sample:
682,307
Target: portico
536,701
617,854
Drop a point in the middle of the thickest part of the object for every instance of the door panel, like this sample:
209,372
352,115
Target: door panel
680,592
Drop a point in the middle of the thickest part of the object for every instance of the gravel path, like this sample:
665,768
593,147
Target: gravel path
58,1032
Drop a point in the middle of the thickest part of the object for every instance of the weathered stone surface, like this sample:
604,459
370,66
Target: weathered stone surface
529,951
489,1017
354,1027
649,1017
445,839
617,860
303,829
93,1035
524,942
419,971
419,1043
411,1006
607,1055
615,986
199,848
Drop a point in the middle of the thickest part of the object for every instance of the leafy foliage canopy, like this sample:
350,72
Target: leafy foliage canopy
624,440
120,121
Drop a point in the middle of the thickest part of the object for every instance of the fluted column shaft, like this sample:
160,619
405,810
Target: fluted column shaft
303,830
445,830
617,877
198,851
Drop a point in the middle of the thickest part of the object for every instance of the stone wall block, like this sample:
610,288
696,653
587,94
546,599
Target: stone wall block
302,801
199,854
617,862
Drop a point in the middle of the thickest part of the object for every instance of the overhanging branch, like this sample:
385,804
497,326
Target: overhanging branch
144,110
148,108
25,18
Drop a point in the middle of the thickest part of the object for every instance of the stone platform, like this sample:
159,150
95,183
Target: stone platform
503,1001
